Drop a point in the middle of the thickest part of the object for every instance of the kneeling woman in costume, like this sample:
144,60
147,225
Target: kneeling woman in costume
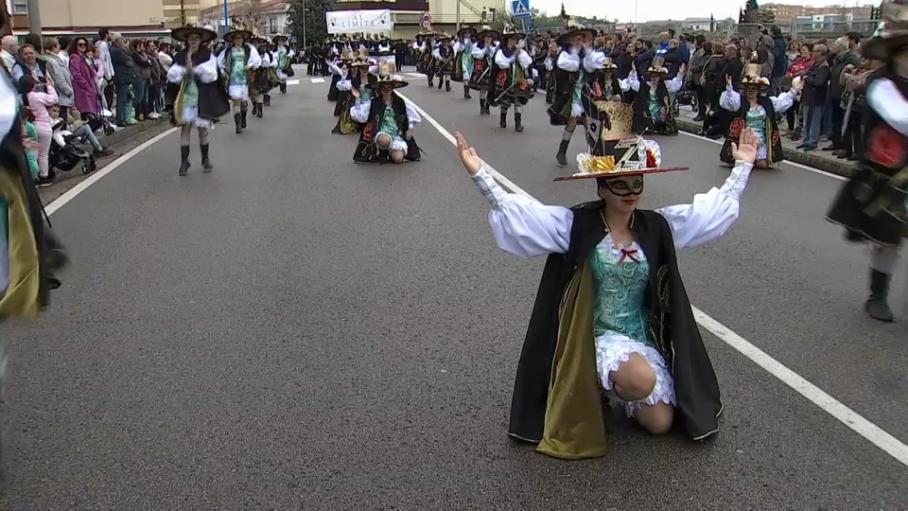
611,311
359,93
389,122
652,101
200,99
758,113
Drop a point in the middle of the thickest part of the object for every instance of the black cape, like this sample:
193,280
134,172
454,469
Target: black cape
673,328
774,149
213,99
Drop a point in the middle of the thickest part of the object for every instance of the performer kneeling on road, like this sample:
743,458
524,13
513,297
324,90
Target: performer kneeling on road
198,98
611,311
388,134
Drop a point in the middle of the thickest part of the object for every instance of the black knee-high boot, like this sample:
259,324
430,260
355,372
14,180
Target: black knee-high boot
518,122
243,118
561,157
466,92
238,122
184,160
206,161
284,88
878,304
504,119
267,99
448,84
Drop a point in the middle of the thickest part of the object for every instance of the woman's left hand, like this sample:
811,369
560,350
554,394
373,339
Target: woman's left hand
746,148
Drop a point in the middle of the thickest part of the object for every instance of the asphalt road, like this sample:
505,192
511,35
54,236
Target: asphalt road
295,331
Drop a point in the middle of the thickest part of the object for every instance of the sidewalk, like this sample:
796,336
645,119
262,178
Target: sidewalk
120,142
819,159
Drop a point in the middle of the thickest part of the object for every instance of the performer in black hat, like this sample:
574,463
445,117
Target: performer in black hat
199,98
872,204
238,61
389,120
282,58
652,101
483,65
463,59
759,113
612,312
444,62
511,83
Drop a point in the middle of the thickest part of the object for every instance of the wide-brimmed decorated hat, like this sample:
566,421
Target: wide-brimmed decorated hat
615,151
657,68
512,35
488,31
466,31
573,30
182,34
608,64
386,77
361,62
752,79
441,38
280,38
257,39
245,34
891,35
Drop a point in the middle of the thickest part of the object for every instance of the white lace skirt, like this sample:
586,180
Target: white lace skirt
613,349
191,116
238,92
397,143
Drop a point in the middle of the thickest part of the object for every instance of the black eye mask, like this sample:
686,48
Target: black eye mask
621,188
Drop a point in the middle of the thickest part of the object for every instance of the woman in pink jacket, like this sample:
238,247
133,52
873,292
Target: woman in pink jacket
85,84
38,104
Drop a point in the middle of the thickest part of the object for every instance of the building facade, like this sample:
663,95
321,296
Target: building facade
786,14
145,18
264,17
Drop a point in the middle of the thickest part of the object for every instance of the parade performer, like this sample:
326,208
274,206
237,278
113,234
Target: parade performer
483,53
652,103
334,65
360,93
425,45
511,83
262,84
568,73
340,71
389,123
759,113
463,59
238,61
872,204
611,311
283,60
444,62
198,96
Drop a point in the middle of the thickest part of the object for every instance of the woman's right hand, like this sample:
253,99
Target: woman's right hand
354,92
468,156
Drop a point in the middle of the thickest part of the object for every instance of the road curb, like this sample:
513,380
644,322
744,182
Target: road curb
837,167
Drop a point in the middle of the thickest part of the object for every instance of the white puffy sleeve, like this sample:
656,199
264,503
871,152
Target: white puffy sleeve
502,61
291,53
674,85
344,85
176,72
886,100
568,62
549,64
255,60
631,83
334,68
524,59
360,111
458,47
730,99
594,61
436,54
478,53
413,116
784,101
711,214
523,226
207,72
222,60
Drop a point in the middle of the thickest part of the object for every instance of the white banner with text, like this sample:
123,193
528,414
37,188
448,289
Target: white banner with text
350,22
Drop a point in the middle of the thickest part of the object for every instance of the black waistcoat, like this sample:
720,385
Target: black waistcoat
671,320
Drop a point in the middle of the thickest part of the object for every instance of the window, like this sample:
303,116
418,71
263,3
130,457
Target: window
20,6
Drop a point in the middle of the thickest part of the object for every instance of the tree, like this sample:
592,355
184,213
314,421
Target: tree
307,20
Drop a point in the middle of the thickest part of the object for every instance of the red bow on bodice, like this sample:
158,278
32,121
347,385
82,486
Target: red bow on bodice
628,254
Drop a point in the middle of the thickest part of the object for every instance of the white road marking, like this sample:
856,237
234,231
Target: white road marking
787,162
870,431
416,75
317,80
293,82
94,178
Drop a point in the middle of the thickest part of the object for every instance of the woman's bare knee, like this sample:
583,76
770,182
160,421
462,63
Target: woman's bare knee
635,379
657,419
397,156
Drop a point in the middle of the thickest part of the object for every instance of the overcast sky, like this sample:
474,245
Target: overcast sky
647,10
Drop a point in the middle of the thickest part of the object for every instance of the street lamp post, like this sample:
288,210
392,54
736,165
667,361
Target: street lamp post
226,20
304,24
34,18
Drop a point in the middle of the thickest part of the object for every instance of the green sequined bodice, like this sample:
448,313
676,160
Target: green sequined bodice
620,289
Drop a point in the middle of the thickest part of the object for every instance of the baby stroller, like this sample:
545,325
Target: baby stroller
102,120
67,151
